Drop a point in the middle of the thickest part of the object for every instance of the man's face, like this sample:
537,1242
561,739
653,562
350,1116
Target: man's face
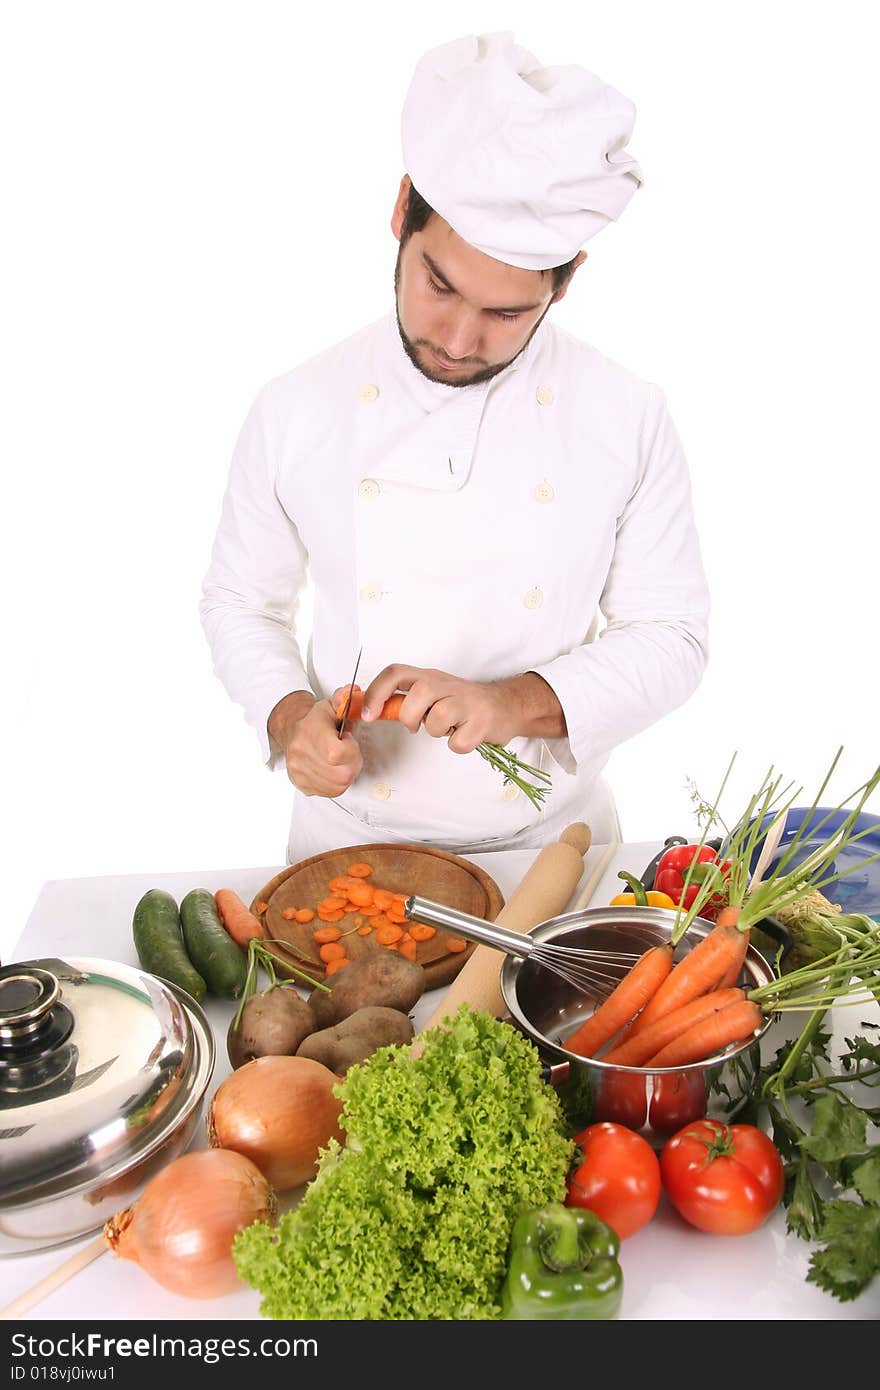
463,317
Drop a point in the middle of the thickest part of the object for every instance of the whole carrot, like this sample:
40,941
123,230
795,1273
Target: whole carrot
731,1025
237,917
695,974
636,1050
637,986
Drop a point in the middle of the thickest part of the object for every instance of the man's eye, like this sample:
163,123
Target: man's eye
438,289
507,318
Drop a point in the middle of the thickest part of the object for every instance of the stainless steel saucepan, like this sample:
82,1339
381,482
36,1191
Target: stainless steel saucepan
548,1007
103,1072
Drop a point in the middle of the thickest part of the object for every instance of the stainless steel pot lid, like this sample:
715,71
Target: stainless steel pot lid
99,1062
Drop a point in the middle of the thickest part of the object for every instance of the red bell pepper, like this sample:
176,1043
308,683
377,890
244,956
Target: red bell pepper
672,870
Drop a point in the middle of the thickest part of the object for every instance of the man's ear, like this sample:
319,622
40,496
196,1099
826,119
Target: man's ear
400,206
563,290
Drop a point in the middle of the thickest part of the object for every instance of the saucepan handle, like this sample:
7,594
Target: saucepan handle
556,1073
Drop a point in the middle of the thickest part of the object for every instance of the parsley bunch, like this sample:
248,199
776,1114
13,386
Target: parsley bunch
832,1166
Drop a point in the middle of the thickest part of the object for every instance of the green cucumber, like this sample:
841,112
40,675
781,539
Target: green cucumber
159,942
212,950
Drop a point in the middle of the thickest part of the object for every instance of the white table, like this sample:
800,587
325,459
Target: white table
670,1269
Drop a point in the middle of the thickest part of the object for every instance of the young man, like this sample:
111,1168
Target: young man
469,489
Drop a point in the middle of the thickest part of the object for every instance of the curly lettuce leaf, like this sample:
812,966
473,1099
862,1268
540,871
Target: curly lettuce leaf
412,1219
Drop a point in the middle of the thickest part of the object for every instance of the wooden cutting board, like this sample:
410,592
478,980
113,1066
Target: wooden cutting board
430,873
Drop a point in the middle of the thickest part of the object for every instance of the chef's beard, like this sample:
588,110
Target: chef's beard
410,346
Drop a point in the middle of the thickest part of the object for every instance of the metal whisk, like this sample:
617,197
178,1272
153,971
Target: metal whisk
591,972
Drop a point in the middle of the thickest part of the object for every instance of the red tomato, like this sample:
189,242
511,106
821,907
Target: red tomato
726,1179
618,1177
676,1099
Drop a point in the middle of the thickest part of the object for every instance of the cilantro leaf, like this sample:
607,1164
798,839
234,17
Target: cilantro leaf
851,1258
839,1129
865,1178
805,1208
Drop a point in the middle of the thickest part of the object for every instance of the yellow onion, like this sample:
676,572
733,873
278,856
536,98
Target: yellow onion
280,1112
181,1228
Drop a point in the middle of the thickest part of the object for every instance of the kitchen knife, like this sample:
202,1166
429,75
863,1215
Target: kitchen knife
344,716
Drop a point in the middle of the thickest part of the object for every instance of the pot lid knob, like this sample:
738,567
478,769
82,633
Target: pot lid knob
27,995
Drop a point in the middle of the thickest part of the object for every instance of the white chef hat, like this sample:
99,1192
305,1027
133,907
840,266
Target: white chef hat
525,163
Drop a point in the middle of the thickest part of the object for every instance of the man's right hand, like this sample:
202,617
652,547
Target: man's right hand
319,762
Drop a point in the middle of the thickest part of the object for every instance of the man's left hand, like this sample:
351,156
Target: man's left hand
467,713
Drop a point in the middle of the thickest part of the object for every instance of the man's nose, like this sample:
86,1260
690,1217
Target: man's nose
461,338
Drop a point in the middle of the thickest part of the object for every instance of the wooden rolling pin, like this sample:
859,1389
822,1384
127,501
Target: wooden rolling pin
544,892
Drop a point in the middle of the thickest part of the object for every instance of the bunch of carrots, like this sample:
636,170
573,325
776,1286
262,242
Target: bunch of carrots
667,1014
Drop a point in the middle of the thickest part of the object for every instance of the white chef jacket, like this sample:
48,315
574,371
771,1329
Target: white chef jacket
540,521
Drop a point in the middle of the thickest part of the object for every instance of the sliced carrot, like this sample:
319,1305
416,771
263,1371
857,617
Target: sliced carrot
355,705
382,898
289,913
734,1024
330,916
455,944
365,931
304,914
361,895
420,931
325,934
368,910
334,965
396,914
261,907
334,903
632,993
636,1051
360,870
387,935
332,950
408,949
340,884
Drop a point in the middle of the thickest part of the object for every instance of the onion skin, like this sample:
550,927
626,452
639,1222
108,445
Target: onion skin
279,1112
181,1228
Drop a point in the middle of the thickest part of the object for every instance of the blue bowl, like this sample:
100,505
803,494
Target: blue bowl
859,890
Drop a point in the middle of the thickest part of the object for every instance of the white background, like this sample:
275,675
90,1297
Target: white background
197,197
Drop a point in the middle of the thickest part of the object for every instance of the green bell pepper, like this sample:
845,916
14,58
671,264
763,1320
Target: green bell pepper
563,1265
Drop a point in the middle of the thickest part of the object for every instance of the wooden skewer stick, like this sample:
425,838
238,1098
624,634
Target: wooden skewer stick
50,1282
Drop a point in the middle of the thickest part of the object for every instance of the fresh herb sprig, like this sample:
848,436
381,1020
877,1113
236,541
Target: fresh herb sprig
512,767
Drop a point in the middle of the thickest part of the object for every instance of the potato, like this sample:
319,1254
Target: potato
356,1038
273,1024
382,978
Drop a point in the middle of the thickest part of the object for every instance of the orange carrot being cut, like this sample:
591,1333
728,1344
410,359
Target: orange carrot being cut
637,986
731,1025
390,710
636,1050
695,974
237,917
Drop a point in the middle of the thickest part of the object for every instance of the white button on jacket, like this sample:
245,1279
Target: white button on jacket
602,594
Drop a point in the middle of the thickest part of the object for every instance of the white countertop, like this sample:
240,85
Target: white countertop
670,1269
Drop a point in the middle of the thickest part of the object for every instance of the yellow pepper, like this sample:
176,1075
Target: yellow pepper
639,897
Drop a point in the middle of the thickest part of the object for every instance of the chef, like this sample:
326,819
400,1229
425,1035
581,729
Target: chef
496,516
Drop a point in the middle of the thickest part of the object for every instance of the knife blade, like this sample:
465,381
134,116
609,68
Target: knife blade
344,716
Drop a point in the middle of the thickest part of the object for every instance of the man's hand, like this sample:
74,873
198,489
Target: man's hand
468,713
319,763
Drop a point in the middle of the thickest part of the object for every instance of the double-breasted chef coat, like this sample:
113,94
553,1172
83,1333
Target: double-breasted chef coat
540,521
